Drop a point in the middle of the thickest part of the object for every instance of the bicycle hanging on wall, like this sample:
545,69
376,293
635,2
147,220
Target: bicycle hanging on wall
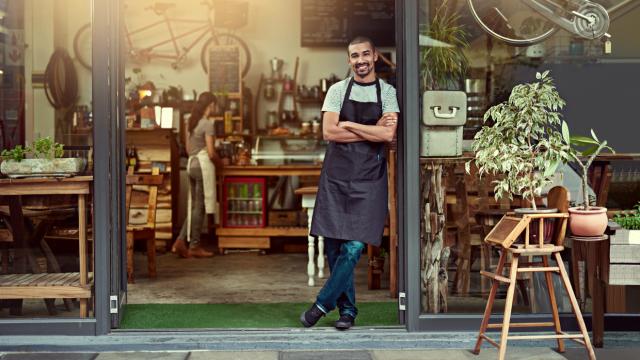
198,28
513,22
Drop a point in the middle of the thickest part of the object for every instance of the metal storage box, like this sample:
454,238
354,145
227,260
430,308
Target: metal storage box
443,116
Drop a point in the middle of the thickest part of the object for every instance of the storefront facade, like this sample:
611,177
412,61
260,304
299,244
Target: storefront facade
107,88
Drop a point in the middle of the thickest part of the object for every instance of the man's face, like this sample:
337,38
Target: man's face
362,58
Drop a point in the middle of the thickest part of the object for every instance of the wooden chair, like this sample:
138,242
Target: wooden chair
145,231
505,234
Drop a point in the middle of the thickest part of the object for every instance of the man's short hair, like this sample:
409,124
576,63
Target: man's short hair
362,39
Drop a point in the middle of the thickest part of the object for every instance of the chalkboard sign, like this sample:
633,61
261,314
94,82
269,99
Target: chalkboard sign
224,69
333,23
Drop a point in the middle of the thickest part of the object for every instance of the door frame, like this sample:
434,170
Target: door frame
104,93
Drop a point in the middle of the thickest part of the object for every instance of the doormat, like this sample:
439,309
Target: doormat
278,315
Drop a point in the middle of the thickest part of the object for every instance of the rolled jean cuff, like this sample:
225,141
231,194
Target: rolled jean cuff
348,312
322,308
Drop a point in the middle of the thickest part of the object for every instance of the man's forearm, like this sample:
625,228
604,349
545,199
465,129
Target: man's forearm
338,134
373,133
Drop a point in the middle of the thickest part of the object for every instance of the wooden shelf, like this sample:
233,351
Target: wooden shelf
46,285
264,232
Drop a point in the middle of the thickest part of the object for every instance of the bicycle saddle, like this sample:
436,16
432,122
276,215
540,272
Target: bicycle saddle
161,7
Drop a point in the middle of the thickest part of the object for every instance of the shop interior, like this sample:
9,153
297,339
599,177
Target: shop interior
269,64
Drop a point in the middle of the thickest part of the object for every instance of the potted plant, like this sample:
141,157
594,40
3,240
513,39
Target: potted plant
521,142
443,63
442,72
46,159
586,220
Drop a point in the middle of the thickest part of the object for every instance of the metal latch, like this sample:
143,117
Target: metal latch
113,304
402,301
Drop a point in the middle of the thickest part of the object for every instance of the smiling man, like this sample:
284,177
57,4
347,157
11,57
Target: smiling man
360,115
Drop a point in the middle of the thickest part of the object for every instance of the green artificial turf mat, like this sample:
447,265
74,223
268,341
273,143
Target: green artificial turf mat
279,315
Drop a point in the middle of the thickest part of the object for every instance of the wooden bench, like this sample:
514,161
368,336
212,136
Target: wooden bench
23,285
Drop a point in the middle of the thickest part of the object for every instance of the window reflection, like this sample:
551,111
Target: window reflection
588,76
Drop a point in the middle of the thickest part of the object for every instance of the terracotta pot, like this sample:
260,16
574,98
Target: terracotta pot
592,222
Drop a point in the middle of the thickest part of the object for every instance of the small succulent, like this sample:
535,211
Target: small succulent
42,148
16,154
46,148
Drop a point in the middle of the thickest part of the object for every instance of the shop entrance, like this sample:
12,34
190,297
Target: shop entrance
269,67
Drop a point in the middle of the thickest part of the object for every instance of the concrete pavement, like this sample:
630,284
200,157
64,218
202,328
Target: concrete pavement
514,353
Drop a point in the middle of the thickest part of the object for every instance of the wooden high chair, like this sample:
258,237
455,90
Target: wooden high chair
506,234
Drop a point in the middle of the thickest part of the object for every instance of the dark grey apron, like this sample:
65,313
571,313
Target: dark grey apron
351,203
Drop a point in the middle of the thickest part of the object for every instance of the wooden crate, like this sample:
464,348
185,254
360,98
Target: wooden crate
283,218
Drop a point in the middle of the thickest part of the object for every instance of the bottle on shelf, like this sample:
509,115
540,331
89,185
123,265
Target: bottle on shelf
132,158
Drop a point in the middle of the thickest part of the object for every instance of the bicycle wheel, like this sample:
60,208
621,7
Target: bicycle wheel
227,39
82,46
512,21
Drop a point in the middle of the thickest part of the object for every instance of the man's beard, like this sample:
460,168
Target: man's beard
362,73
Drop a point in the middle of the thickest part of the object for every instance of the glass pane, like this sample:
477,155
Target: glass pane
45,108
458,53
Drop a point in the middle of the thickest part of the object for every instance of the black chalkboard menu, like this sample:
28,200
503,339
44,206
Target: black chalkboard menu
332,23
224,69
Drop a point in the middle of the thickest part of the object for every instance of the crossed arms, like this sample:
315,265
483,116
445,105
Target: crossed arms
346,131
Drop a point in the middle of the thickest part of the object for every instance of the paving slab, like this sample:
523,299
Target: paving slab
607,354
458,354
49,356
233,355
325,355
144,355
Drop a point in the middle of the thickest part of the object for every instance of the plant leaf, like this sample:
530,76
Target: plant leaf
565,132
551,169
593,135
582,140
589,151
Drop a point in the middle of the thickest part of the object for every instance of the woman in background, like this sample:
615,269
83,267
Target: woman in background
202,177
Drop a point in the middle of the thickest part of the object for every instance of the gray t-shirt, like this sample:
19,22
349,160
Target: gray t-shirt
362,93
197,137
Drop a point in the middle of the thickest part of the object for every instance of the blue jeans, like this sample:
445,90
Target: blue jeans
339,290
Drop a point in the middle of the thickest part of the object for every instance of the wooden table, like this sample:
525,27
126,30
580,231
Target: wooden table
594,252
22,285
272,170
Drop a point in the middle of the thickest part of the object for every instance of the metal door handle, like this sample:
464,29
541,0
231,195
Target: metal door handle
451,115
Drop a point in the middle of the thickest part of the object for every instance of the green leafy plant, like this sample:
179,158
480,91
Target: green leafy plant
444,67
46,148
629,221
584,150
16,154
525,143
42,148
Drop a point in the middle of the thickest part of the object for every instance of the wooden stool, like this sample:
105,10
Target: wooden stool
505,234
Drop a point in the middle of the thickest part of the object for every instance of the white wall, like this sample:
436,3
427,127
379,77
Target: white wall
273,31
50,24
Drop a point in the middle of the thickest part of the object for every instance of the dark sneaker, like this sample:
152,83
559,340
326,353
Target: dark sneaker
345,322
311,316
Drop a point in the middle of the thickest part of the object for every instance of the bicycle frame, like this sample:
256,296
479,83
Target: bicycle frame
205,27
